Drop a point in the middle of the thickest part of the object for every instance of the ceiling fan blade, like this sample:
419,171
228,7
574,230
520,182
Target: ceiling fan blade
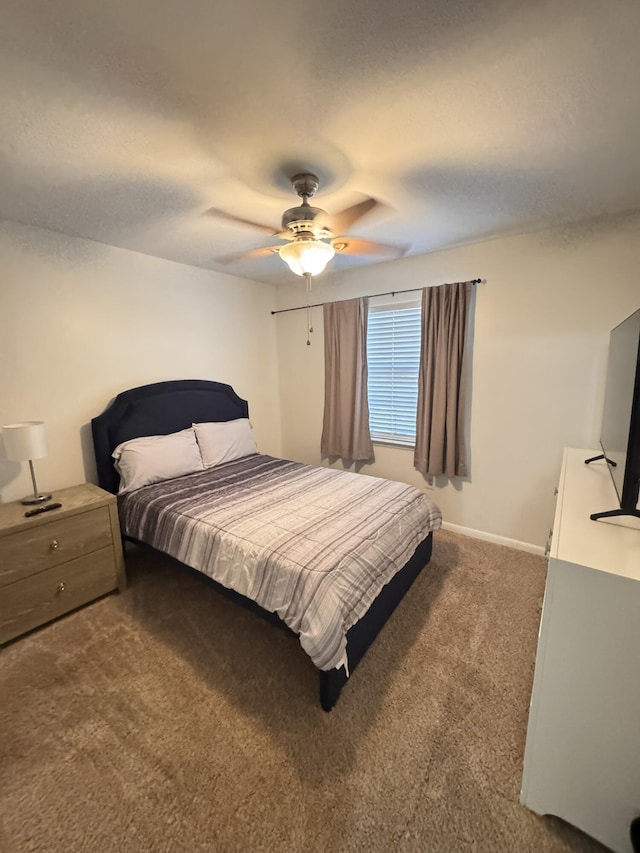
221,214
342,221
356,246
245,256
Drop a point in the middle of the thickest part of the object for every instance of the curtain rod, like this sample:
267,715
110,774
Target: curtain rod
371,296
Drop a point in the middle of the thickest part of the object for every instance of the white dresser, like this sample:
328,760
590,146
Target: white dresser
582,756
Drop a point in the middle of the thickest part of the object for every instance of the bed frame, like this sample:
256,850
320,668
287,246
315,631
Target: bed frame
166,407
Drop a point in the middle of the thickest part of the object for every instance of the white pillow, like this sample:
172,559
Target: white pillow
225,441
142,461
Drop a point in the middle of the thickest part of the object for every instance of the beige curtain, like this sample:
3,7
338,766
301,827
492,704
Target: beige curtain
345,431
440,445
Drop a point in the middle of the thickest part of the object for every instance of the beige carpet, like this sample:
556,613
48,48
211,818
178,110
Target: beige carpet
168,719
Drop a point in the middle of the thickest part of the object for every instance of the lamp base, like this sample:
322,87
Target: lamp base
36,499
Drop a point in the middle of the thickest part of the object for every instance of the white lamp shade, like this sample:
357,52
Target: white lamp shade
306,256
24,441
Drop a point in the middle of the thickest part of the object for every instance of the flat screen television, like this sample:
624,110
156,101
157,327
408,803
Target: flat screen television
620,433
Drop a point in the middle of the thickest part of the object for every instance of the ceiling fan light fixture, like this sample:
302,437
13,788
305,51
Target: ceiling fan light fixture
306,256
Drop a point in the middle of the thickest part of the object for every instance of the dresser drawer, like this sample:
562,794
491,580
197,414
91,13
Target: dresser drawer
32,551
31,601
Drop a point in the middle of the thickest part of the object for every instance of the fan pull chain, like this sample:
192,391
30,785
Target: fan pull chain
309,315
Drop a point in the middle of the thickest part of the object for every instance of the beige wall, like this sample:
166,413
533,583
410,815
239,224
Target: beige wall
80,321
540,336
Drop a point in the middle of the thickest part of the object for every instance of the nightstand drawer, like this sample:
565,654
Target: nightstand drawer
32,601
32,551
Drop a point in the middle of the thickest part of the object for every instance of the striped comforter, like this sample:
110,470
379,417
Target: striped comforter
314,545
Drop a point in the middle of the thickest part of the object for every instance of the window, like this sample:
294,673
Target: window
393,356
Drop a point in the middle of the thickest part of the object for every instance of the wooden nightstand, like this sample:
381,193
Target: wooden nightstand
54,562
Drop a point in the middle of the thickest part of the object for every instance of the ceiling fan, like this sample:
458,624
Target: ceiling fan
311,233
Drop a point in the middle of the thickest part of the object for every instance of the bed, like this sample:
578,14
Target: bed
175,516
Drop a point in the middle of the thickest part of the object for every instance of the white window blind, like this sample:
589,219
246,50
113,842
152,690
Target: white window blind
393,357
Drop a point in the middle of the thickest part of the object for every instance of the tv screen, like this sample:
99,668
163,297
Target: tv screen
620,435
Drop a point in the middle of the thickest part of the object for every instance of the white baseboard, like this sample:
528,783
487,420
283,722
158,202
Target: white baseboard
492,537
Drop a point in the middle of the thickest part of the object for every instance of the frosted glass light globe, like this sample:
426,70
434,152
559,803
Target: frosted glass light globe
306,256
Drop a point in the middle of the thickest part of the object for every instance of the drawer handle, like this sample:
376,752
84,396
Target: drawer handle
61,587
54,545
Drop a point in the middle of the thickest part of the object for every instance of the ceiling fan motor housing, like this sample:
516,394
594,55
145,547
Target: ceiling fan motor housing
303,219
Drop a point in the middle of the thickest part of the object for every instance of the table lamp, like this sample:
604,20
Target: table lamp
26,441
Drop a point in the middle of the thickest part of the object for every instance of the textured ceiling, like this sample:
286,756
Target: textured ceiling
122,122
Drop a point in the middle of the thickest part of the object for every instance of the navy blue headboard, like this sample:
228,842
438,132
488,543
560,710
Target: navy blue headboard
159,409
